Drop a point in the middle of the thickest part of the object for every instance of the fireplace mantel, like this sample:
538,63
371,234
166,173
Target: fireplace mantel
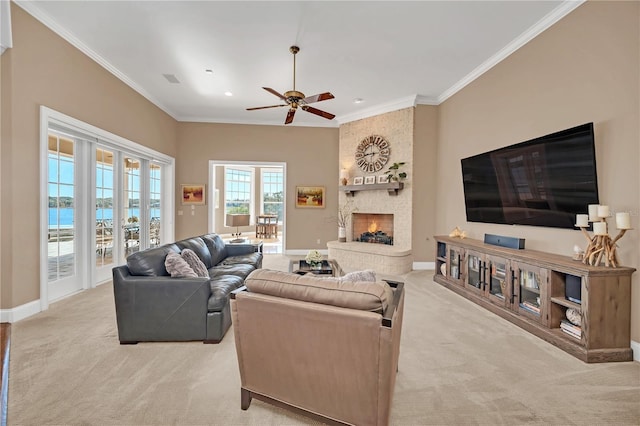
391,187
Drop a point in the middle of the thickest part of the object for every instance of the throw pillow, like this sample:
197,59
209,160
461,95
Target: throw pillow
177,266
366,275
195,263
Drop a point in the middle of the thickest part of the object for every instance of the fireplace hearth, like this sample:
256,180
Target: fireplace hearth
373,228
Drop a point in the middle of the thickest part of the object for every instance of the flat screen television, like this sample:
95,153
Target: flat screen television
541,182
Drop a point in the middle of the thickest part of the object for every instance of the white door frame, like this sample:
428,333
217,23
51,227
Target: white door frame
212,193
49,116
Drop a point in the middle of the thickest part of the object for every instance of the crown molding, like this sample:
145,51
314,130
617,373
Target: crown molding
46,20
395,105
299,123
551,18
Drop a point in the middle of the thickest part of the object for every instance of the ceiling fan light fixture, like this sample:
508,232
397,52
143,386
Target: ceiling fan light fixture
294,99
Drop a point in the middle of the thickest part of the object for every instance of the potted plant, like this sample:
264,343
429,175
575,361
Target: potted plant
394,174
314,259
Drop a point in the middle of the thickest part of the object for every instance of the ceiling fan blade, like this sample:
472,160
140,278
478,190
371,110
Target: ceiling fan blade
317,98
263,107
290,115
316,111
273,92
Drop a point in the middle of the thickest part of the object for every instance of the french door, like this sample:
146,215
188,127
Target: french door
101,201
106,238
64,273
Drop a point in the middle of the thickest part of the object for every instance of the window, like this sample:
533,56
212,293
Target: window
272,192
238,184
154,204
104,207
62,224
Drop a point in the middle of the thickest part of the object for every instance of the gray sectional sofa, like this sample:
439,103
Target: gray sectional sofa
153,306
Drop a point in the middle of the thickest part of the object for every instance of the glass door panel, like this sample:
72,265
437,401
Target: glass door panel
498,291
454,262
131,214
61,243
531,287
475,272
104,214
155,179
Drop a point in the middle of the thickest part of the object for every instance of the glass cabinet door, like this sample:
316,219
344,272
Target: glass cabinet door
498,290
454,261
531,282
475,272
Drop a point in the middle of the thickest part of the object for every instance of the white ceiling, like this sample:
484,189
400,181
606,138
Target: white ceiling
391,54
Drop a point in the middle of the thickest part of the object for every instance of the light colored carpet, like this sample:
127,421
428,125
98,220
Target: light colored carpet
459,364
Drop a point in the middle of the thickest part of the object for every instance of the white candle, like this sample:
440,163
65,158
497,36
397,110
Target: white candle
600,228
582,220
623,220
603,211
593,212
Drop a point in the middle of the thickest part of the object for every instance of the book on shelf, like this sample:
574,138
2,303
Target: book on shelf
571,329
570,326
530,307
577,335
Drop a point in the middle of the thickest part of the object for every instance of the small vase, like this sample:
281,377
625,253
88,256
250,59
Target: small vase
342,234
316,265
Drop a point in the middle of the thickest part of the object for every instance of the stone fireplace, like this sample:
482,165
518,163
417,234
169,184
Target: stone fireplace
395,257
374,228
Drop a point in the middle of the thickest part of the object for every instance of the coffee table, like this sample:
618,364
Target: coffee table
257,244
328,267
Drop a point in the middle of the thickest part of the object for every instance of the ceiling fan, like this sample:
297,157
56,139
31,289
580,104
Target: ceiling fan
295,99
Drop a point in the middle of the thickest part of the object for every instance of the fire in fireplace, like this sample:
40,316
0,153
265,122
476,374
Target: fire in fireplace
373,228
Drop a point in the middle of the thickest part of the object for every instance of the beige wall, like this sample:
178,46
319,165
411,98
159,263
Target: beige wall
43,69
425,164
311,157
585,68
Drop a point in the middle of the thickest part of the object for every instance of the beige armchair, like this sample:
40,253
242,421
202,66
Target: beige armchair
320,346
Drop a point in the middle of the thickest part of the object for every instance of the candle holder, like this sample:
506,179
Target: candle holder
601,246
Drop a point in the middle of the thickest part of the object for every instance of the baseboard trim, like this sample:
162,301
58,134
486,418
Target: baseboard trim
20,312
324,252
635,347
422,266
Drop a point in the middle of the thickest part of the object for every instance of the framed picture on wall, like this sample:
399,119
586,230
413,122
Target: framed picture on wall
193,194
368,180
383,179
310,197
358,180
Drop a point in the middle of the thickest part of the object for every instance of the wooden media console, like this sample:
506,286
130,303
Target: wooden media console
529,288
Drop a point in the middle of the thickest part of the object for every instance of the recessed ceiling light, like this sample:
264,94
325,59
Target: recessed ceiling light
208,71
228,94
358,100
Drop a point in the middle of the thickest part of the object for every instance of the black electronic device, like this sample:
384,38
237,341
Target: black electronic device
502,241
541,182
573,289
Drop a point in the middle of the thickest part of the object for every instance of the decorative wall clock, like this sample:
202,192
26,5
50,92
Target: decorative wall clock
372,153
